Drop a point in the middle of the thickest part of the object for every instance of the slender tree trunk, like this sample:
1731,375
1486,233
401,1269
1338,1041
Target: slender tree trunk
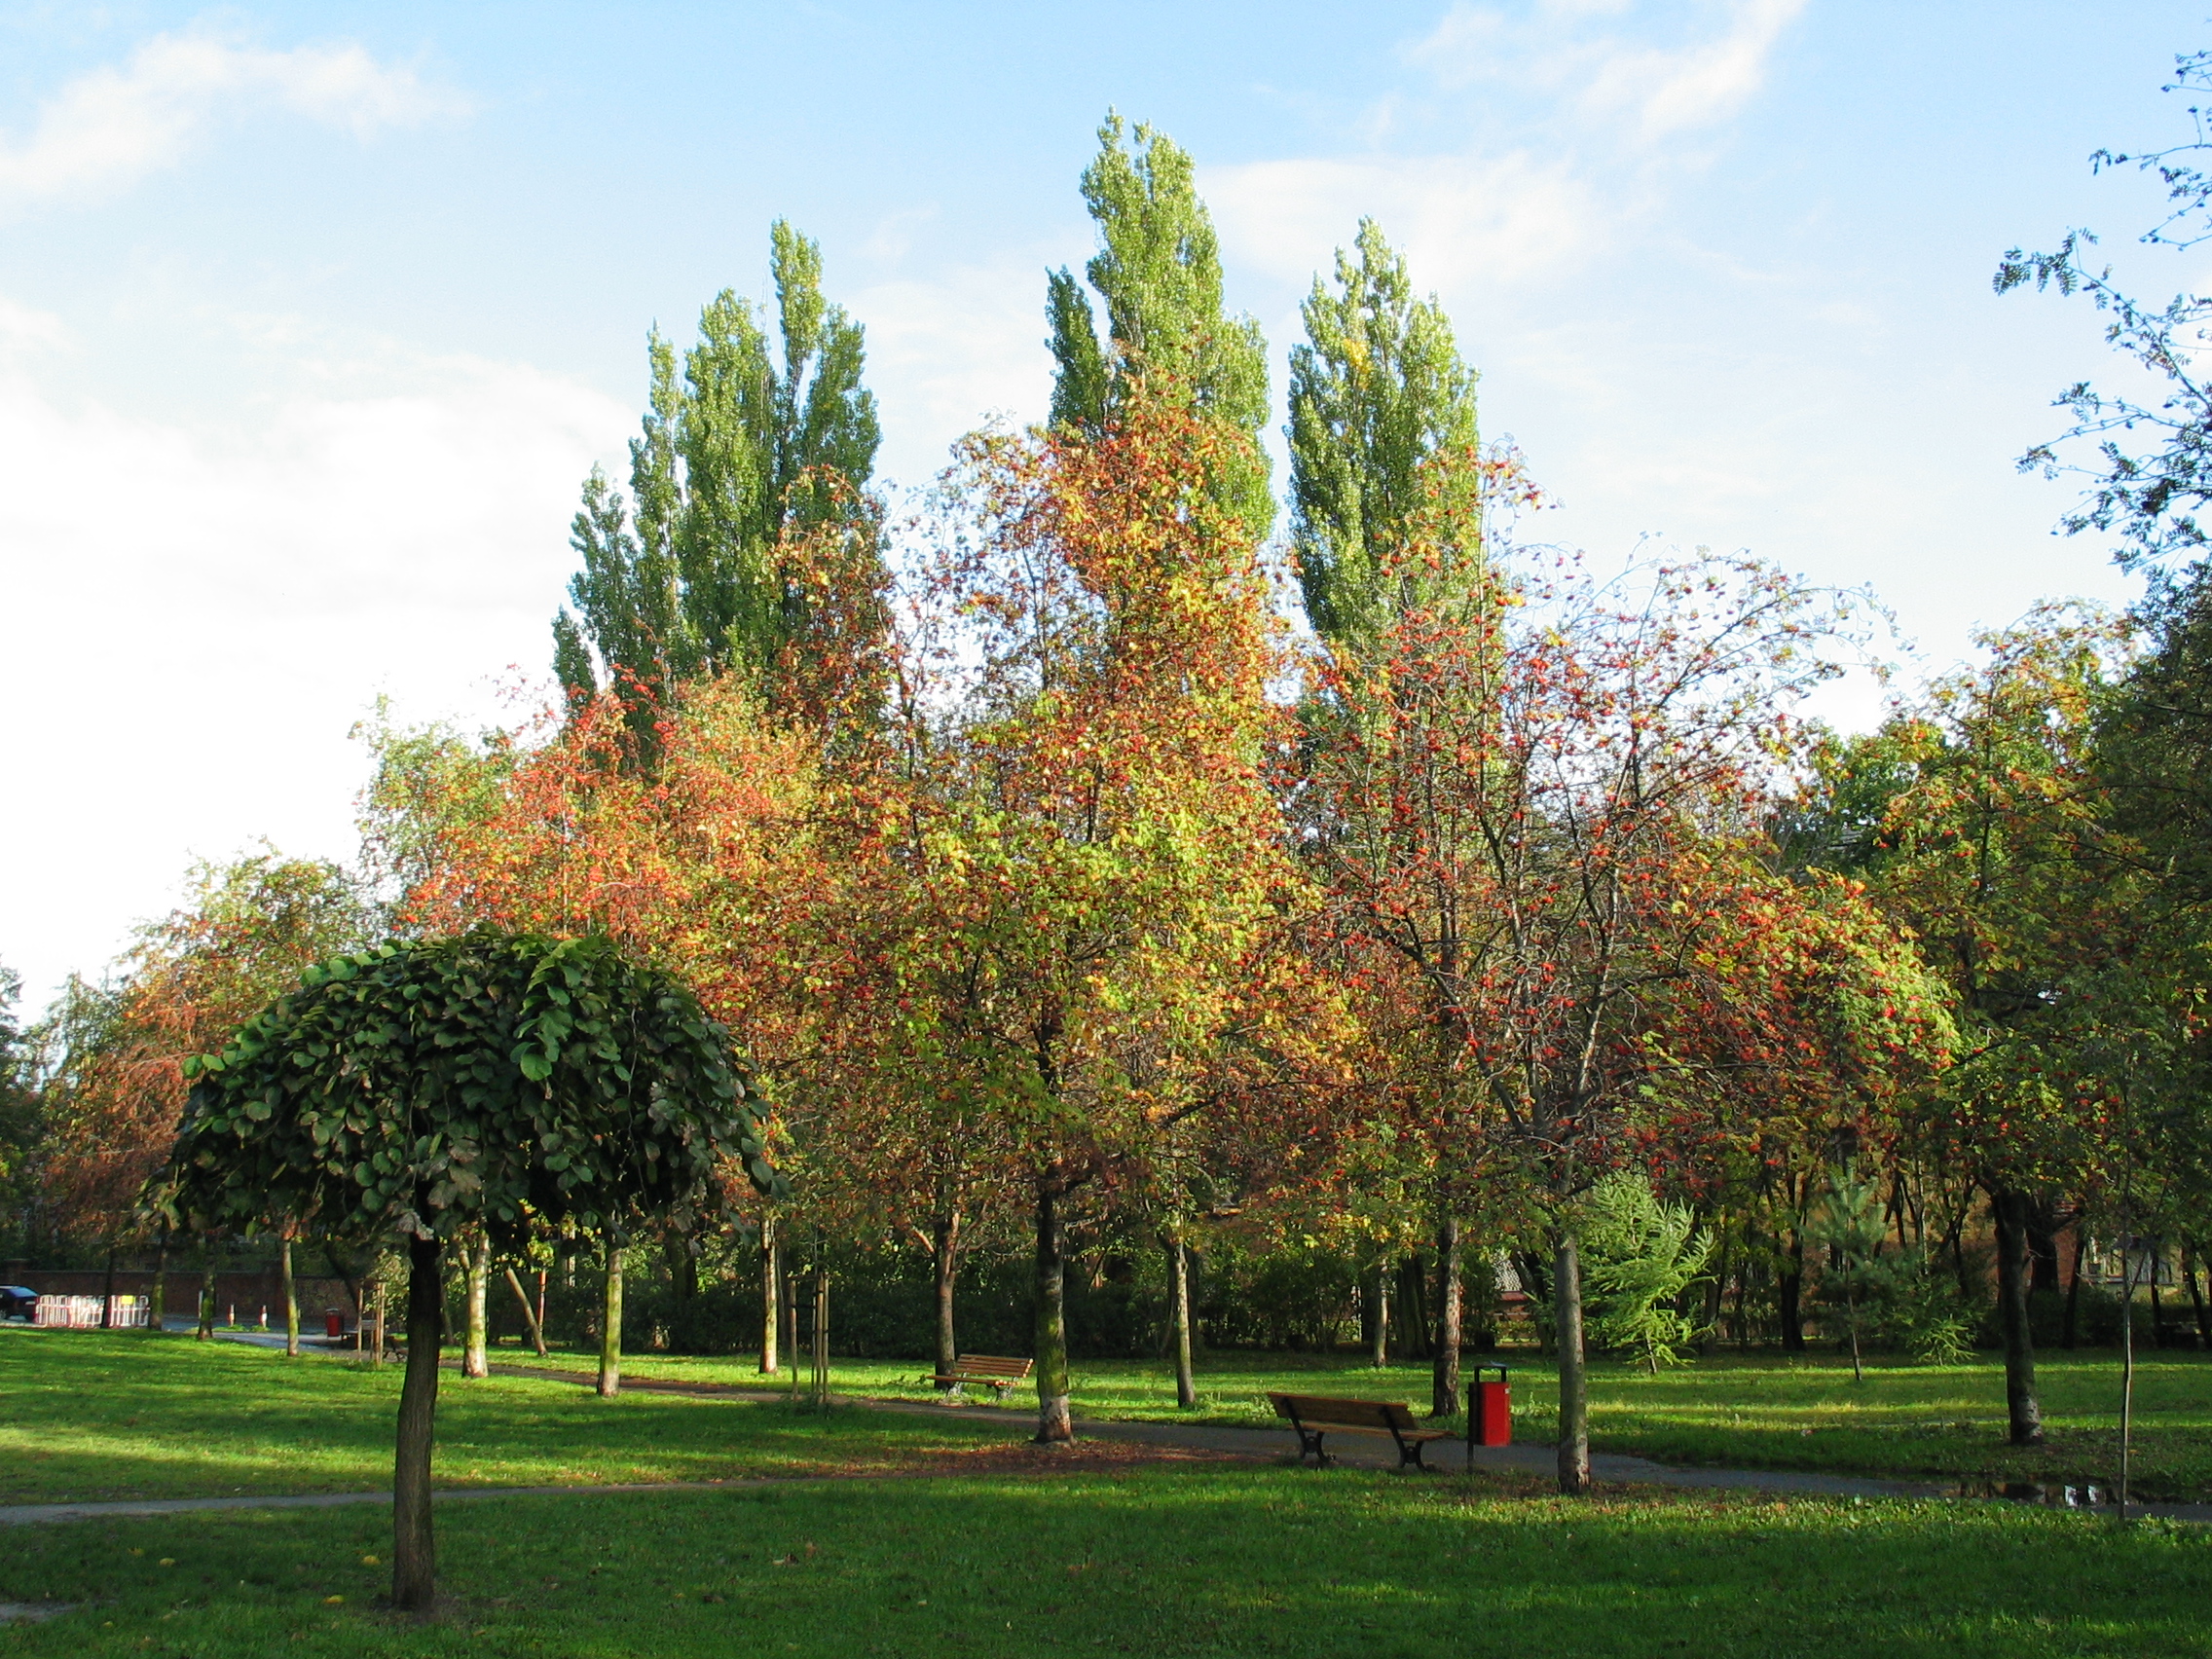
475,1359
1055,1426
2126,1371
771,1314
2189,1262
207,1331
1716,1288
2074,1290
1791,1289
2158,1308
788,1305
107,1290
1444,1378
414,1554
2043,1247
1413,1307
1379,1355
292,1290
158,1314
1179,1292
529,1313
2021,1408
1574,1385
610,1327
945,1260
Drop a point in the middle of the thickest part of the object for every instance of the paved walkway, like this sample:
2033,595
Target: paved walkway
1259,1444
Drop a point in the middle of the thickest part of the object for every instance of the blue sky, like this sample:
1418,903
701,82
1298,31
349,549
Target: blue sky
313,318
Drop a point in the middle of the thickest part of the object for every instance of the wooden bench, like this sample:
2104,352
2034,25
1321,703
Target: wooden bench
995,1373
1314,1415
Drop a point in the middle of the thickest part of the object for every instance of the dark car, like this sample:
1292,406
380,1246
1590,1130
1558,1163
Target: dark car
18,1301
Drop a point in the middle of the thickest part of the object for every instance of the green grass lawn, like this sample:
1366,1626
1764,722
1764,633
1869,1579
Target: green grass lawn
92,1414
1204,1560
87,1414
1914,1422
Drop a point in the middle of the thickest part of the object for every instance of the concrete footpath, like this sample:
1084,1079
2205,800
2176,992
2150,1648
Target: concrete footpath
1257,1444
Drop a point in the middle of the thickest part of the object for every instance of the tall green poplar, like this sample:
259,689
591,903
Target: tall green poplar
1378,388
754,439
1158,270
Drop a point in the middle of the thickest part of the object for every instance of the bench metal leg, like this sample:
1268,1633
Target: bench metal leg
1310,1445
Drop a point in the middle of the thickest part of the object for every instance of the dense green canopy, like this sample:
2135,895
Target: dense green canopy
490,1079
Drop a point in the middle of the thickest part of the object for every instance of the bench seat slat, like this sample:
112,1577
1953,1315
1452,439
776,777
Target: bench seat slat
1313,1416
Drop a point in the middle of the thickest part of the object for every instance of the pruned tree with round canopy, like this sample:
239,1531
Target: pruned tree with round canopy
509,1082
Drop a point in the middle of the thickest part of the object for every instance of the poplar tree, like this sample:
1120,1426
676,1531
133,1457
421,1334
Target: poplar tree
1158,271
750,442
1387,516
1376,388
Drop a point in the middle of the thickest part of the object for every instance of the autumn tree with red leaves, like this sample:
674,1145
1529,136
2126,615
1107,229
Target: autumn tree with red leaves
116,1085
1540,813
1099,863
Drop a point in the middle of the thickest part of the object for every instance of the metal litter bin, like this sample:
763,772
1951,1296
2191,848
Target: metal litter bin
1490,1410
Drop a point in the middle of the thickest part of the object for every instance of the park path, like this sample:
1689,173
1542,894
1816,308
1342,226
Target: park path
1258,1444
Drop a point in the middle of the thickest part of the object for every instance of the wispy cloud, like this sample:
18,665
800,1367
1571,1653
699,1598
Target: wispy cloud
22,328
1570,47
1460,218
1620,86
113,126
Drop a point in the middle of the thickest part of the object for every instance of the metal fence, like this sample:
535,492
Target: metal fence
89,1312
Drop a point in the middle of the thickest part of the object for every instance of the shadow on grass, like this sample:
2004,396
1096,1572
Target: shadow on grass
1192,1560
92,1416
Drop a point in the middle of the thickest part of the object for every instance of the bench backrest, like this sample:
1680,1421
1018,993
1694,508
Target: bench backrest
1347,1413
992,1365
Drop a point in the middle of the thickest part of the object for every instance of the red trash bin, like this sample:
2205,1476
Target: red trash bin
1490,1410
333,1323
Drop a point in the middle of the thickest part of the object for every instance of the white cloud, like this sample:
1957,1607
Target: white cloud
1510,218
1459,218
110,127
195,618
25,329
1660,90
950,353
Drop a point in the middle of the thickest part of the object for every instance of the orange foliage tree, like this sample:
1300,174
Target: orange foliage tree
1099,868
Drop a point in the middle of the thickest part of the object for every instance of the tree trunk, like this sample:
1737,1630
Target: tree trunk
207,1331
771,1314
1054,1427
414,1555
1179,1292
2043,1247
2189,1262
2021,1408
529,1313
291,1296
2158,1308
1789,1294
787,1309
1716,1288
1379,1355
1573,1386
610,1327
475,1359
1413,1307
157,1315
945,1261
107,1290
1443,1379
2074,1289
